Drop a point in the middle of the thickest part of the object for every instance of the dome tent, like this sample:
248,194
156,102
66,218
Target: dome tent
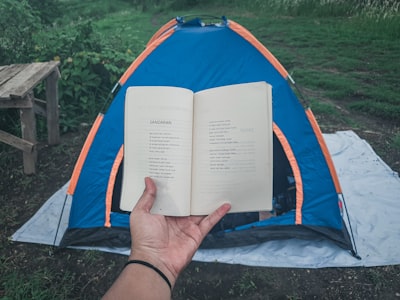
198,56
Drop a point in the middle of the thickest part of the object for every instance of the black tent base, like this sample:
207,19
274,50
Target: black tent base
118,237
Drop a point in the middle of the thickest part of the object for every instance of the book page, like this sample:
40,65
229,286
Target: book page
158,144
232,152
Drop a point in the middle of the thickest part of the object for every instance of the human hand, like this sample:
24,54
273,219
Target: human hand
168,243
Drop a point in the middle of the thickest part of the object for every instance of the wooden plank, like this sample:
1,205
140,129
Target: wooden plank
24,81
53,127
28,128
8,72
15,103
41,71
16,142
9,75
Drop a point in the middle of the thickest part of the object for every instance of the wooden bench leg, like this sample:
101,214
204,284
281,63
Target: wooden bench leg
52,113
28,128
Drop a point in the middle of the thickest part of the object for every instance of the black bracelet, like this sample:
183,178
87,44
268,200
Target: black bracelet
149,265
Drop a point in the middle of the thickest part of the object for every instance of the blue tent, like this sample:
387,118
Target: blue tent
190,54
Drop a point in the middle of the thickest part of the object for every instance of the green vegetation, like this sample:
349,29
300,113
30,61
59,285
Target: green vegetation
40,284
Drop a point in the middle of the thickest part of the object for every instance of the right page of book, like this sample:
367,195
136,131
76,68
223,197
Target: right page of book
232,148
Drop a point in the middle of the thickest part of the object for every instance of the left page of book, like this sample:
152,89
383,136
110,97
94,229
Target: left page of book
158,144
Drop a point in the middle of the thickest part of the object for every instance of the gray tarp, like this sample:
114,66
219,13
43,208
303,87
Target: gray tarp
371,191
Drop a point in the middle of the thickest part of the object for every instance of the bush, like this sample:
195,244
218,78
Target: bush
89,69
375,9
18,23
62,43
47,10
87,79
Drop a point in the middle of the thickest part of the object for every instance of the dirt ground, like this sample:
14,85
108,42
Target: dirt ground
88,274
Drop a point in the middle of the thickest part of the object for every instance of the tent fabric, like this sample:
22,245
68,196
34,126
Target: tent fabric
370,186
197,56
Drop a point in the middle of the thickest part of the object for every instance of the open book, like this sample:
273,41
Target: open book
201,149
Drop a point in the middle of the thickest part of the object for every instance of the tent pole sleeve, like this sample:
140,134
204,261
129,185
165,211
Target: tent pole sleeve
171,23
84,152
324,149
296,171
111,184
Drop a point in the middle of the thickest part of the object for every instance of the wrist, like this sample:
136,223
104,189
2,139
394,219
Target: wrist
157,263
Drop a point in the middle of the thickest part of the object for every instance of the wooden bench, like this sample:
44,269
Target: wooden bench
16,91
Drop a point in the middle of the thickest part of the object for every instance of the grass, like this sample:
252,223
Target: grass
39,284
337,57
244,285
396,141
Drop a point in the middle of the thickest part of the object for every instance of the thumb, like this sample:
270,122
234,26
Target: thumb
148,197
